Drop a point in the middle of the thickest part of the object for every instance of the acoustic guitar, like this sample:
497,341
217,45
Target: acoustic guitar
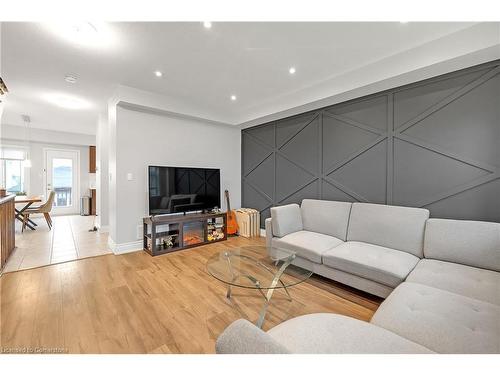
232,225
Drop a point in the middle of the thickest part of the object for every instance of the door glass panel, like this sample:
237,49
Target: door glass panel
62,181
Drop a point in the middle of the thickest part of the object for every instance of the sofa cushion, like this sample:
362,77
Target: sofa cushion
442,321
381,264
286,219
338,334
327,217
400,228
243,337
467,281
473,243
309,245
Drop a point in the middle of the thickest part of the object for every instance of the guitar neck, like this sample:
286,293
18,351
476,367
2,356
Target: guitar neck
227,201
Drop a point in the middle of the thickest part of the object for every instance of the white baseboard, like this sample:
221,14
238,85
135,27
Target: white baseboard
123,248
262,232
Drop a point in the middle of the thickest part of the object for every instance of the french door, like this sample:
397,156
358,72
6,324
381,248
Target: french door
62,171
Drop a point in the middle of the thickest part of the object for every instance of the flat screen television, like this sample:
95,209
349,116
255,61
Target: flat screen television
179,189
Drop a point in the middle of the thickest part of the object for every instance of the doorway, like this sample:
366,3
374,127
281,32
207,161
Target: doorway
62,175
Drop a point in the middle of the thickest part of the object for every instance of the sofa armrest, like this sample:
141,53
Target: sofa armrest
269,232
242,337
286,219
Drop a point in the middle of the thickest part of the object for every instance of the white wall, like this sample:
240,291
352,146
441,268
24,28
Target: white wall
102,175
143,138
112,172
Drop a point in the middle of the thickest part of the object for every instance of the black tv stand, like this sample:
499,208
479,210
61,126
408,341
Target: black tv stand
167,233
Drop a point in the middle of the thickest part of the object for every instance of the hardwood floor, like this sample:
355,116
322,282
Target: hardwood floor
134,303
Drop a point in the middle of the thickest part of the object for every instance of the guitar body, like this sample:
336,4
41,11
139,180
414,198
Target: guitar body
232,225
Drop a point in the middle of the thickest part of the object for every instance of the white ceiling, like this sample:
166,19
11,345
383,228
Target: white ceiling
202,67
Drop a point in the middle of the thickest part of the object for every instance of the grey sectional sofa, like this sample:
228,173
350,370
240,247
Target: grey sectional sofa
440,278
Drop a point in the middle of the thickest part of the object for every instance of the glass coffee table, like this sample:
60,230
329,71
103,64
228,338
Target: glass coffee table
257,267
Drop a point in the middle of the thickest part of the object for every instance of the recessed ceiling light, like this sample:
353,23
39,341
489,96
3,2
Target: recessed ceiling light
89,34
233,97
291,70
207,24
66,101
158,73
70,78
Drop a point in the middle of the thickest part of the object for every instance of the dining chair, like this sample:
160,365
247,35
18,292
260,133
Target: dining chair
43,209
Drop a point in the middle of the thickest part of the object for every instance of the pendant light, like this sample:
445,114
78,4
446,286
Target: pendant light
27,160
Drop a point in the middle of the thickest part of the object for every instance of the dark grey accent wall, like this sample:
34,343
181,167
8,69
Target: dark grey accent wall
433,144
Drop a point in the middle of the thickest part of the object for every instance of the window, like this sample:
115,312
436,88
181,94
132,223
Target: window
12,169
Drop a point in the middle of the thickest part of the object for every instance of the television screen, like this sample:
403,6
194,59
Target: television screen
174,189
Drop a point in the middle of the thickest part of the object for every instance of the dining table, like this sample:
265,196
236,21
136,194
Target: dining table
27,201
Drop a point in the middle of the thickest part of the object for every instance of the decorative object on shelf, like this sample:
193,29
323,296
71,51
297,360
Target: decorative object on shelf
232,225
168,242
3,192
215,229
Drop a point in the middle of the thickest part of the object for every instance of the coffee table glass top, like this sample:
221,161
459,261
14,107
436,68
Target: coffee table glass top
256,267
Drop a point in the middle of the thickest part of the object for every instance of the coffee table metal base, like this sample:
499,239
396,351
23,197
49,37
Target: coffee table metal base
270,289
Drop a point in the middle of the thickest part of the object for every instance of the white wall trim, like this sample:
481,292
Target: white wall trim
124,248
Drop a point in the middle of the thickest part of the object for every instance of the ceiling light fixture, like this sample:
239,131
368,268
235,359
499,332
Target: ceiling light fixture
89,34
291,70
158,73
233,97
66,101
70,78
207,24
27,161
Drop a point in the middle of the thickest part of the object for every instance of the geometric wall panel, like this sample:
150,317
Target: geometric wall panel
420,174
262,177
289,127
254,199
335,147
410,102
264,134
371,112
438,148
479,203
302,147
366,174
255,153
332,193
264,214
308,191
289,178
469,126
